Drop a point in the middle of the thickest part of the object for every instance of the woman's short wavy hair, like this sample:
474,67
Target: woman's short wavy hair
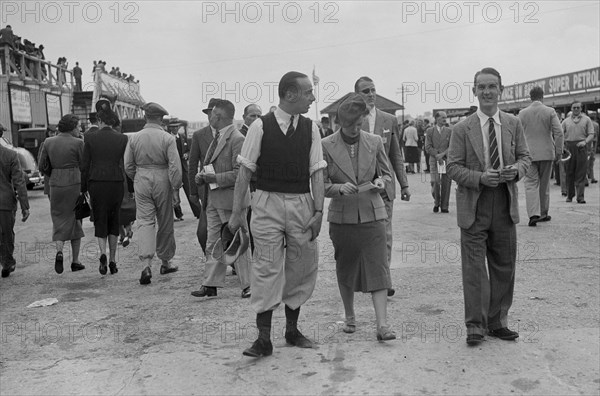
68,122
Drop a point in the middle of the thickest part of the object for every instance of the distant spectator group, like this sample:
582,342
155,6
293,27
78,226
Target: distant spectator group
114,71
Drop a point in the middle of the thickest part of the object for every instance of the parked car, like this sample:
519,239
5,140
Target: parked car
28,165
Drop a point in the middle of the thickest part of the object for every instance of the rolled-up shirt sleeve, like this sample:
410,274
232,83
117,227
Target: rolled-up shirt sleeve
316,151
251,148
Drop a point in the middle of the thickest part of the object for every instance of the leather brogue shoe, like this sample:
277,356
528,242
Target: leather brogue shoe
6,271
205,291
167,269
504,334
146,277
474,339
58,263
246,293
260,347
77,267
295,338
533,220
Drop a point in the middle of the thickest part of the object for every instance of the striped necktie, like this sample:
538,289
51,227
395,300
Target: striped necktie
211,149
494,157
290,130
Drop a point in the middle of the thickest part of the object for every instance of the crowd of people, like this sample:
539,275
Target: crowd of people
259,194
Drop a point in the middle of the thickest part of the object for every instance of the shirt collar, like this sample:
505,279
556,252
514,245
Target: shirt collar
484,118
373,111
282,115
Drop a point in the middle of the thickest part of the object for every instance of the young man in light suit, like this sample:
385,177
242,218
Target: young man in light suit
545,141
487,155
201,140
222,155
437,140
386,126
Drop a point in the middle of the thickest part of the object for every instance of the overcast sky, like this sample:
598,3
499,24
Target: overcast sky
184,52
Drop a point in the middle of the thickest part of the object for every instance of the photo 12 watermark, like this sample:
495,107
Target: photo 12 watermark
70,11
470,11
253,12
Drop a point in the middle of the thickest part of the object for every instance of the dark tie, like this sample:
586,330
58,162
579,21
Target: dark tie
290,130
211,149
494,158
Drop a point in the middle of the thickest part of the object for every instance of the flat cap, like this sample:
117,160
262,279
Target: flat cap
211,104
351,110
154,110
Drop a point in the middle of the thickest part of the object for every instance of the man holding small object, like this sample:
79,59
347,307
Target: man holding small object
487,155
437,139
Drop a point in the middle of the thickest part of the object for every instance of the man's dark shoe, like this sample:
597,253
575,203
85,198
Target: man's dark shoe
564,194
391,292
436,209
295,338
246,293
533,220
581,201
205,291
77,267
545,218
474,339
58,263
259,348
146,277
6,271
504,334
164,269
594,181
112,266
445,211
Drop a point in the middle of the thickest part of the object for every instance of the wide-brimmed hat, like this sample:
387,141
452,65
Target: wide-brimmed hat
233,245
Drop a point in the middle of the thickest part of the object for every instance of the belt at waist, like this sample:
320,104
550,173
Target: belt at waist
153,166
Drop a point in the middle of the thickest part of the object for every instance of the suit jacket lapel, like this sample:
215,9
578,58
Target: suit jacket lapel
339,154
476,139
365,157
378,123
506,138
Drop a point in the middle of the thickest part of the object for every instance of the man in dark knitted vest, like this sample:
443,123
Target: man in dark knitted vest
283,149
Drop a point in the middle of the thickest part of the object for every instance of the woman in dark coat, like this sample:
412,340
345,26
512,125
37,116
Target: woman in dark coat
356,173
102,176
63,154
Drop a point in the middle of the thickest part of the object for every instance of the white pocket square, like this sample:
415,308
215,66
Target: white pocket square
386,131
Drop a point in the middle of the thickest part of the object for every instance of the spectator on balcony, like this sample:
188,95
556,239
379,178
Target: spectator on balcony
113,71
77,72
7,38
118,72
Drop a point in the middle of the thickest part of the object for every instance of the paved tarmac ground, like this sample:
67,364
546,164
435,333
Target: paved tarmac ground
107,335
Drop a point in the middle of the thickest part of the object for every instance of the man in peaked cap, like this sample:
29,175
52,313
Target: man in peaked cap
155,179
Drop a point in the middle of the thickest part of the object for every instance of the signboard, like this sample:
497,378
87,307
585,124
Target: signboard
53,109
20,106
584,80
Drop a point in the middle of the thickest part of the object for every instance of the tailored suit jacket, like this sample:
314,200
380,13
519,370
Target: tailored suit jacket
103,152
386,126
224,161
201,140
466,163
437,142
543,132
372,163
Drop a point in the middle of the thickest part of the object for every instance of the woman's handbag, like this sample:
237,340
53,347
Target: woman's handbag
82,208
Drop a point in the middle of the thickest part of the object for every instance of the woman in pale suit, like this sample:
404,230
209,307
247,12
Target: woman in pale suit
356,174
64,152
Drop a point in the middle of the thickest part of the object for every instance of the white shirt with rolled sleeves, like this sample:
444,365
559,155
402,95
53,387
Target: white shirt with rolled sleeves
251,148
